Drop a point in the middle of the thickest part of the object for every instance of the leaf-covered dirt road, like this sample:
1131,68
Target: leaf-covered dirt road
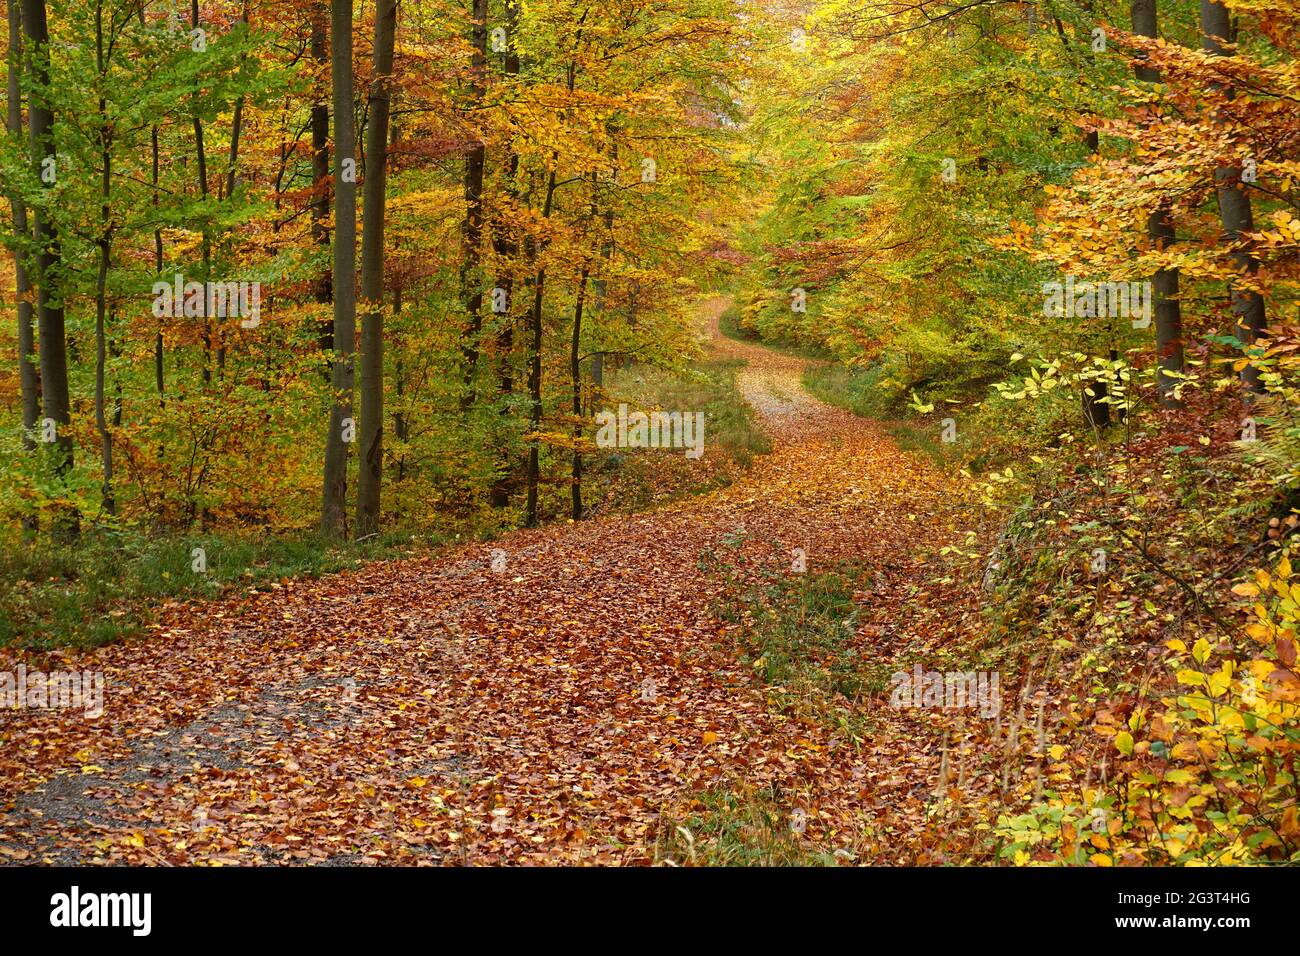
440,711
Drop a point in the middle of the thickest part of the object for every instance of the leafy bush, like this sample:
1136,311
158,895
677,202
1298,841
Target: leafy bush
1205,775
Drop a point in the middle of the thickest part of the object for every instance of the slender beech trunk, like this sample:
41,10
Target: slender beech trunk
1235,209
1143,15
531,516
401,427
29,381
227,193
201,161
29,384
159,379
158,370
1160,229
371,434
334,505
401,424
236,128
506,246
471,280
1096,410
105,244
320,173
575,382
575,361
57,406
533,474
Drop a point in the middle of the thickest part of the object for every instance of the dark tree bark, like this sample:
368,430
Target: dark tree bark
236,129
1160,229
1096,408
471,281
29,384
575,383
1168,313
597,361
49,258
320,173
159,379
334,506
1143,16
506,246
533,473
158,370
371,434
401,427
104,242
201,161
1235,209
228,192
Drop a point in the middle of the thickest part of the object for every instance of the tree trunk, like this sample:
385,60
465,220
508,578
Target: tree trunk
372,275
236,128
1168,313
506,246
1096,410
105,244
49,302
1160,229
597,360
1143,15
158,376
28,382
575,382
471,281
1235,210
401,427
201,160
334,506
158,370
320,175
535,376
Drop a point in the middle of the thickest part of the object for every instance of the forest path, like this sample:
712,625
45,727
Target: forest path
437,710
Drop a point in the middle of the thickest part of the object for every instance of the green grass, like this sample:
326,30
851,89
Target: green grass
729,420
708,387
726,828
105,587
796,634
856,389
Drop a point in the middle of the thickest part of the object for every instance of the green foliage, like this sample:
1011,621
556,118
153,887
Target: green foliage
1205,772
796,632
736,828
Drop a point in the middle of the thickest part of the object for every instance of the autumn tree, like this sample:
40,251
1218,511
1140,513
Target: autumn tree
372,274
55,402
341,427
28,382
1234,203
1160,230
471,278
